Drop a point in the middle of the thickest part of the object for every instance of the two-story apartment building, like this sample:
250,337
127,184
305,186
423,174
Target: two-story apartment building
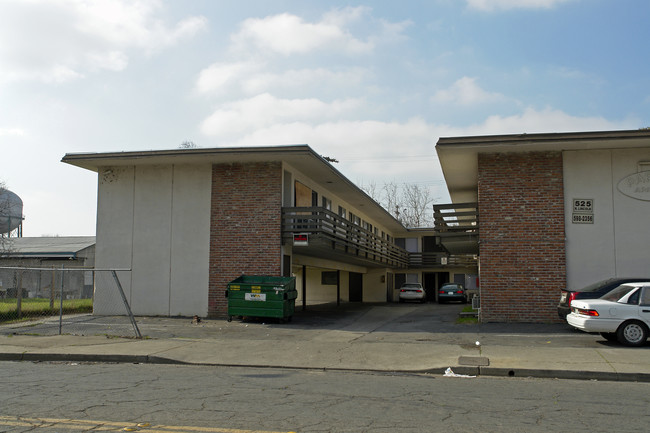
556,210
186,222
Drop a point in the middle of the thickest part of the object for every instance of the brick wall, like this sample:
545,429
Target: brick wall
245,228
522,248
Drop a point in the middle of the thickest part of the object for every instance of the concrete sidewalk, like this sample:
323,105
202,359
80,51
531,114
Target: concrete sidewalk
404,338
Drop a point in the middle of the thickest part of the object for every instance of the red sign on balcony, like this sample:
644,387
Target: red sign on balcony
300,239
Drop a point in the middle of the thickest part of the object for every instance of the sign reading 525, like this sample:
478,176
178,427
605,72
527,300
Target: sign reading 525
583,205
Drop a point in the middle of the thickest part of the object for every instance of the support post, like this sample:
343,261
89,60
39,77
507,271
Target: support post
304,287
338,287
61,305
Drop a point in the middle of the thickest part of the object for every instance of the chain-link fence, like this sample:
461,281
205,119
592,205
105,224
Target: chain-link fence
58,300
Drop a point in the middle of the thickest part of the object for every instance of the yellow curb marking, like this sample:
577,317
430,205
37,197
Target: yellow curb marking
83,424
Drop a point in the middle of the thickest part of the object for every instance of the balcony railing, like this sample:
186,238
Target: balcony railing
330,234
455,218
437,259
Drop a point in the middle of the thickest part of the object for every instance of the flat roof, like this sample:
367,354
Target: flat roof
459,155
300,156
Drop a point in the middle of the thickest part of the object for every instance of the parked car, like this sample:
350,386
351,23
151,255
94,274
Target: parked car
452,292
623,314
592,291
412,292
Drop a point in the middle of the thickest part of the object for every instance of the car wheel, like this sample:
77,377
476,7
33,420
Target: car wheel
632,333
609,336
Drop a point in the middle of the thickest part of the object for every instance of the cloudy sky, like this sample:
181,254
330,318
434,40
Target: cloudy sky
372,84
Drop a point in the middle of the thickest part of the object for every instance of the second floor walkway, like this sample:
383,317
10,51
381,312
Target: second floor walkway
318,232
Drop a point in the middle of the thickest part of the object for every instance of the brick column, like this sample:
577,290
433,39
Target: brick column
245,227
522,240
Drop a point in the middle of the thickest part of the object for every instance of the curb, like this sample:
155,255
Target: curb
461,370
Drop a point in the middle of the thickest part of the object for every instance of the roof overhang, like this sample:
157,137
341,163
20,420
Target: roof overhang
301,157
459,155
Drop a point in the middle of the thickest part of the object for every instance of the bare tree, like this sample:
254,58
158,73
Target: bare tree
372,190
409,203
391,199
330,159
187,144
417,206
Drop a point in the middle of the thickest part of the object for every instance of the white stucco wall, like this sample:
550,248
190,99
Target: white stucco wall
616,244
375,286
155,220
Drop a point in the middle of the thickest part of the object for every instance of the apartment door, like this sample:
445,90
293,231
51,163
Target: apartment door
356,287
429,283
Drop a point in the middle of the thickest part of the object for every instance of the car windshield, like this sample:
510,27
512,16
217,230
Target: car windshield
619,294
451,287
411,286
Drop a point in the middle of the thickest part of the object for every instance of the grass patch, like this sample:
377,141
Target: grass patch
40,307
467,320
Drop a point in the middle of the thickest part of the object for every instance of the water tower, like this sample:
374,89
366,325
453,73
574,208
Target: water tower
11,213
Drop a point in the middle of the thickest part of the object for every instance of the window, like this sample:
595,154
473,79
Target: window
645,297
326,203
329,278
342,212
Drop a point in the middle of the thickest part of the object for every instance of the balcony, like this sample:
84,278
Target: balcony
318,232
331,236
439,259
455,218
457,225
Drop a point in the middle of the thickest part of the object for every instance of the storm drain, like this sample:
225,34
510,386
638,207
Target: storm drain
474,361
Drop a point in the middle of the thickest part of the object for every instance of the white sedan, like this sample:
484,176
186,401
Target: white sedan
622,314
412,292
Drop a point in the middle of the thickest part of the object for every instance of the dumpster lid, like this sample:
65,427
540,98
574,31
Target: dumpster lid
264,280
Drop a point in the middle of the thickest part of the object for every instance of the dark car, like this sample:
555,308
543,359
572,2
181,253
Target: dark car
452,292
592,291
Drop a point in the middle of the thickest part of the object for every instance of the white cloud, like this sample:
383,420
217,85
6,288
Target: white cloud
287,34
264,110
492,5
11,132
215,77
303,78
110,60
376,150
465,91
63,40
546,120
253,78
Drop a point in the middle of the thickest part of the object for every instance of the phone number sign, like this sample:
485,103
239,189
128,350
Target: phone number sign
583,211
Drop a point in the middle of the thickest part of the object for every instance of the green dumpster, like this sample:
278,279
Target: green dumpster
262,296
